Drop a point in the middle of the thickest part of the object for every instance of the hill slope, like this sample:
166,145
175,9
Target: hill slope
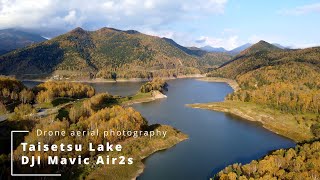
259,54
105,53
11,39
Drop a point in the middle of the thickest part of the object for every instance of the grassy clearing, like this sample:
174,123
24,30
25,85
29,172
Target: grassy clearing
137,98
281,123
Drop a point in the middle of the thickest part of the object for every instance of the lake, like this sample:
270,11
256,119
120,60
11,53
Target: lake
216,139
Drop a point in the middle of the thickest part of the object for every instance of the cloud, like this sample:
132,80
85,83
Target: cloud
159,33
228,43
93,14
185,39
300,10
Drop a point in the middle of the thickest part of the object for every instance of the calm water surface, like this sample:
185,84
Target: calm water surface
215,139
116,88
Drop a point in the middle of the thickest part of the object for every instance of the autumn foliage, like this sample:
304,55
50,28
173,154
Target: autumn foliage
47,91
300,162
156,84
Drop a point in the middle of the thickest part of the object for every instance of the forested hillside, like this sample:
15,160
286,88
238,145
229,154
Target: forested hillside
284,79
105,53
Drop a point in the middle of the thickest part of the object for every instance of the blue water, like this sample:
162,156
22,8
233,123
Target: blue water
215,139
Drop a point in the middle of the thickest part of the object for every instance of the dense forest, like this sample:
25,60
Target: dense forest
106,53
12,93
300,162
48,91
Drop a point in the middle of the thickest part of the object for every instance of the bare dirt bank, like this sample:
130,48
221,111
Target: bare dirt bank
232,83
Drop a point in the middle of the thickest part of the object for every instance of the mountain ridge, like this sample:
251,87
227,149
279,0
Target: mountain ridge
263,54
213,49
102,54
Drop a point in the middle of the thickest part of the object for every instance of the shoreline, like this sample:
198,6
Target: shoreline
232,83
99,80
272,120
269,119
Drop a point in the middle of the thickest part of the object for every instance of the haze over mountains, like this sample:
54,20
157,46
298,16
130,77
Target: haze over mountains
236,50
212,49
11,39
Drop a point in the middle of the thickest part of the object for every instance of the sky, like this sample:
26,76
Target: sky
218,23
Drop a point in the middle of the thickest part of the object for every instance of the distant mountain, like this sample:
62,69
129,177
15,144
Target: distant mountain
212,49
259,47
239,49
206,58
105,53
281,47
11,39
